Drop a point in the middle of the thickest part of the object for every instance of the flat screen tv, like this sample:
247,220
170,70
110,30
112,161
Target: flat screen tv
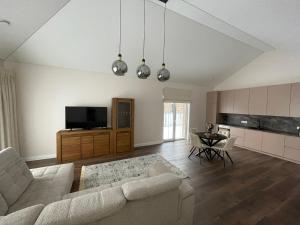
86,117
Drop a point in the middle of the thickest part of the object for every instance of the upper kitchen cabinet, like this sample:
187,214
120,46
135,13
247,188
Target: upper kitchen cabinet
295,100
211,107
226,101
258,99
241,101
279,98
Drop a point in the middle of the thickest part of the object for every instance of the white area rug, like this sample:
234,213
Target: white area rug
107,173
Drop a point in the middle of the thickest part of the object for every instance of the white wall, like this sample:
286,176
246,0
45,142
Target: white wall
275,67
43,92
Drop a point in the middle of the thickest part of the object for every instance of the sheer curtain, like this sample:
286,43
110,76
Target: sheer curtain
8,110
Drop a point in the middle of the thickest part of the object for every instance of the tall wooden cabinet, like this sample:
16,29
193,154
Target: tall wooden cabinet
123,124
82,144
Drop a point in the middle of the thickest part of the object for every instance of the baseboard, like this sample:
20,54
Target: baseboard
40,157
148,144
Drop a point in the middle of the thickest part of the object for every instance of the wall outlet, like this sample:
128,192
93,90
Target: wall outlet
244,122
298,128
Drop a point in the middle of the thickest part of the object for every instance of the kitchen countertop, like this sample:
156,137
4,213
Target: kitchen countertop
263,130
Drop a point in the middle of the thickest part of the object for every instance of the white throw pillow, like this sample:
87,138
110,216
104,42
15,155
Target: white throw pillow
15,176
3,206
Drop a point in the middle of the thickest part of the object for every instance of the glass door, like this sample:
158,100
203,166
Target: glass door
176,121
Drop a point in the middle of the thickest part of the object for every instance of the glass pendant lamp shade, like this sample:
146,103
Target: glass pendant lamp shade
119,67
143,71
163,74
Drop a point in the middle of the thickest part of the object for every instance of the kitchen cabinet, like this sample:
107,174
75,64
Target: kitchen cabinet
253,139
295,100
226,101
279,98
258,99
292,148
273,143
211,107
240,134
241,101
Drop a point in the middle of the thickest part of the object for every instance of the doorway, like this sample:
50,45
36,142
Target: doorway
176,121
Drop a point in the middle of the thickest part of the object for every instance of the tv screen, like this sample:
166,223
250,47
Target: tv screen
86,117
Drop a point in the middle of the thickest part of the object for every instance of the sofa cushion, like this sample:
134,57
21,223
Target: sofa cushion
14,175
85,209
151,186
157,169
26,216
50,184
3,206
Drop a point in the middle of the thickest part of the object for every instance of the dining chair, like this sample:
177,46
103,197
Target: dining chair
196,145
191,131
226,148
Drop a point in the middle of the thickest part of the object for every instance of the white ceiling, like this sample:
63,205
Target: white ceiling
26,16
276,22
84,35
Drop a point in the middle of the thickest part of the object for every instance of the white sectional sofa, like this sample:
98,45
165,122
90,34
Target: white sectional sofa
41,197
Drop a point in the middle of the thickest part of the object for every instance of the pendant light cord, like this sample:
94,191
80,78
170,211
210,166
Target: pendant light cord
164,45
120,28
144,29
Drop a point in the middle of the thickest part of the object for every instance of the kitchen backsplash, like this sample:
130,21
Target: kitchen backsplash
267,123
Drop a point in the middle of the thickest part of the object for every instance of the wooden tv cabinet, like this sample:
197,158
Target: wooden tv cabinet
73,145
83,144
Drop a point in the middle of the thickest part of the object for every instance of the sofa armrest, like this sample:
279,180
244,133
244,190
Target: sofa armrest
84,209
26,216
186,204
151,186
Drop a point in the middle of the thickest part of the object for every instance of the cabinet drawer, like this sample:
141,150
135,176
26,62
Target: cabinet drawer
101,144
70,149
292,153
87,146
123,142
273,143
253,139
292,142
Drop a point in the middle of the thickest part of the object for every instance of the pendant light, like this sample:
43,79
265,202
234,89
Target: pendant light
119,67
164,74
143,71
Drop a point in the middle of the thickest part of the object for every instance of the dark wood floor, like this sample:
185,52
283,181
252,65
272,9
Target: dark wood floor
257,190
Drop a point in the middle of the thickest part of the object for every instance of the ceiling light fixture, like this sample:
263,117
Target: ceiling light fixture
143,71
164,74
119,67
7,22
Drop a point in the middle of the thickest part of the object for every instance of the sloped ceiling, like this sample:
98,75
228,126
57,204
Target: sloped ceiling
26,17
84,35
276,22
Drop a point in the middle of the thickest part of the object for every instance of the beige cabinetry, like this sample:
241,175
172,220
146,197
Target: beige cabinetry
258,98
253,139
273,143
226,101
240,134
279,98
211,107
295,100
241,101
292,148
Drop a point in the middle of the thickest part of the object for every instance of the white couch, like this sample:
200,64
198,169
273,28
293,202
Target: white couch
161,199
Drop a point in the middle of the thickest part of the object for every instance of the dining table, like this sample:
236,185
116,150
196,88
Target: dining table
210,140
